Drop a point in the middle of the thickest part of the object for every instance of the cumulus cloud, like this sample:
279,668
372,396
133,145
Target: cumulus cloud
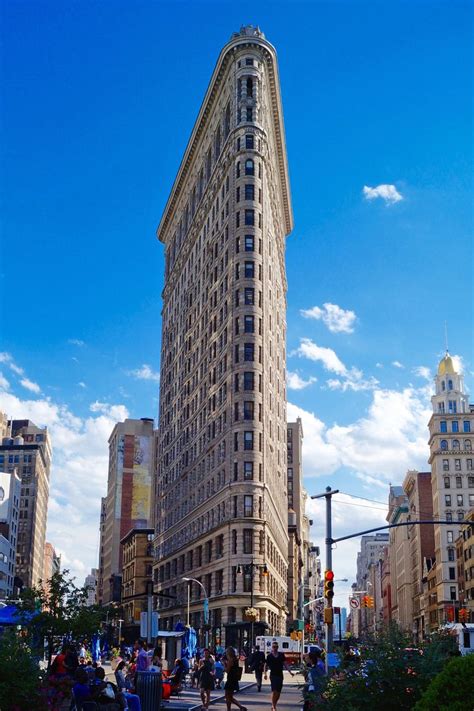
397,364
337,320
388,193
295,382
384,443
423,372
4,384
30,385
145,373
350,378
78,473
116,412
82,385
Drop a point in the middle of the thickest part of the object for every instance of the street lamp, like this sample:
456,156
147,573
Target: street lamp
249,568
206,605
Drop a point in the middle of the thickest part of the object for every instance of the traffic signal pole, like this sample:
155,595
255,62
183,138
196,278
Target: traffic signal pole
329,541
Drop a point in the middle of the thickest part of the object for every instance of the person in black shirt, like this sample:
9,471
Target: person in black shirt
276,662
256,664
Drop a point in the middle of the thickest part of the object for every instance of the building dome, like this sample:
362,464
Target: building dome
446,366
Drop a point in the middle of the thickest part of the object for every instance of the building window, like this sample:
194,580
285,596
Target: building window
248,505
443,426
248,540
248,471
248,440
249,217
249,380
249,410
451,556
249,141
450,384
234,542
466,426
459,499
447,482
457,466
467,445
452,407
237,195
455,426
458,482
447,499
450,536
249,114
470,482
446,465
249,296
250,192
452,592
249,243
471,500
449,516
249,324
469,464
249,167
456,444
452,573
237,169
249,351
460,515
444,444
249,270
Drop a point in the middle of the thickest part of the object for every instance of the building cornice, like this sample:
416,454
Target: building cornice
238,42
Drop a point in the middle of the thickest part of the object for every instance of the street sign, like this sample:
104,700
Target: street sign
354,602
154,624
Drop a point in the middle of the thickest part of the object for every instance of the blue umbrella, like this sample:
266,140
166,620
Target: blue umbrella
95,648
190,643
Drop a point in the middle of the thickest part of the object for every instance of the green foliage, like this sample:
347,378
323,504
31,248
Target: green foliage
20,676
452,688
390,674
55,609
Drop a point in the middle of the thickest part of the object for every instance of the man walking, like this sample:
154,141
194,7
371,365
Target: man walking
276,662
256,664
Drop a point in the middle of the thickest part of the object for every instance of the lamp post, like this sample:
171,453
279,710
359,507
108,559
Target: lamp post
206,605
249,568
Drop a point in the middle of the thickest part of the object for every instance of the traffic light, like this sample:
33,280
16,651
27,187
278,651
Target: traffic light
463,614
365,601
328,616
328,585
370,601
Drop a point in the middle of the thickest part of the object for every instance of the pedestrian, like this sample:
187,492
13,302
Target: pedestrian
316,672
142,656
276,662
234,674
256,664
206,679
218,672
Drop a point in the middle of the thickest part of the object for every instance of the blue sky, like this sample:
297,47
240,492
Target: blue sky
98,101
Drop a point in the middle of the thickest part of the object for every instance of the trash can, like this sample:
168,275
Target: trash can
148,687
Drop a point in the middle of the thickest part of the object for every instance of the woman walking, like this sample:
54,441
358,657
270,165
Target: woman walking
206,679
231,665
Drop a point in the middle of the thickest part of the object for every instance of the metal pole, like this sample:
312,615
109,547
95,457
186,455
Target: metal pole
189,604
340,626
149,610
251,605
329,627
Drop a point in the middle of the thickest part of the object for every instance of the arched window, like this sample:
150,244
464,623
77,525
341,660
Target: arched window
467,445
456,444
249,167
443,385
237,167
444,444
450,384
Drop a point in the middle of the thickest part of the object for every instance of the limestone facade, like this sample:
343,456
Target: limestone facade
222,498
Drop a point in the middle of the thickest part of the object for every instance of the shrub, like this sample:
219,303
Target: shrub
452,688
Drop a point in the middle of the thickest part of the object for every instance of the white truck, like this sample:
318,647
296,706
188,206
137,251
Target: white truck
464,634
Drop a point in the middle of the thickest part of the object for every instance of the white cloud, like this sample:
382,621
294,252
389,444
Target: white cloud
328,357
4,384
423,372
145,373
397,364
352,378
78,474
458,363
294,381
115,412
388,193
5,357
82,385
384,443
379,365
30,385
337,320
76,342
16,368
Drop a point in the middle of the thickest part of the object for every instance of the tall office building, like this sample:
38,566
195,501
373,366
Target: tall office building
129,500
10,492
91,583
27,448
222,485
452,481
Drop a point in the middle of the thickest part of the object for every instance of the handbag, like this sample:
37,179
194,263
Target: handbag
239,673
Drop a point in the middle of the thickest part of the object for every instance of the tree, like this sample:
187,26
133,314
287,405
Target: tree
55,609
20,675
452,688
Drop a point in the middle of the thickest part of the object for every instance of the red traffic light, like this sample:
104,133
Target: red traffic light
328,575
